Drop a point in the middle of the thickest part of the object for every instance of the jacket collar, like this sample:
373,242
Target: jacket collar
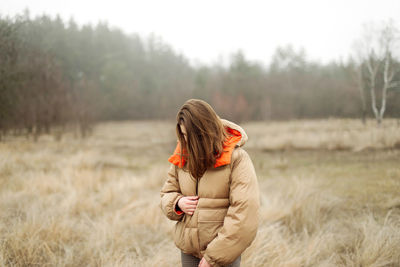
237,137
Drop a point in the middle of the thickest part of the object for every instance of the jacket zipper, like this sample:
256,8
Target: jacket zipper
197,193
197,187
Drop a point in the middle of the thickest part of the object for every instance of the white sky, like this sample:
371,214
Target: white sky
207,31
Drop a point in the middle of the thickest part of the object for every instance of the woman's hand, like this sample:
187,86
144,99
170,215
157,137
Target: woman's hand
188,204
204,263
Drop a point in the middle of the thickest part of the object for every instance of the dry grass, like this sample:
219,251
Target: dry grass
94,202
330,134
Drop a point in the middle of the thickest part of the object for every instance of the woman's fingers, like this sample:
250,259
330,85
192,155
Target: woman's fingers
190,211
189,204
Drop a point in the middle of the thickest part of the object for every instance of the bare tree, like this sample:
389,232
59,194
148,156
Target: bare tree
375,51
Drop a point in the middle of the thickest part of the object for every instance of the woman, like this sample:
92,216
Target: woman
212,190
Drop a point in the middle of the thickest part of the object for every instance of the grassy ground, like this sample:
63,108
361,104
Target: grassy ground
94,202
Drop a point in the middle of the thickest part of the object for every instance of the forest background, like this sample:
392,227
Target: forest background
54,74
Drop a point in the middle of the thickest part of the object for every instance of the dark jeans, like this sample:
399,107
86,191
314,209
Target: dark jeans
192,261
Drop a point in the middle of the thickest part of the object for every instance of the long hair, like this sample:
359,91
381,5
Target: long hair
205,135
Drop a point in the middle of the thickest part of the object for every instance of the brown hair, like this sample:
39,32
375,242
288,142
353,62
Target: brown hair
205,135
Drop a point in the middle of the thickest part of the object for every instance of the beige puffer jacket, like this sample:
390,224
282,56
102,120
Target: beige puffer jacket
227,215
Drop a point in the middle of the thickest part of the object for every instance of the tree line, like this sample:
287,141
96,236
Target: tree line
54,74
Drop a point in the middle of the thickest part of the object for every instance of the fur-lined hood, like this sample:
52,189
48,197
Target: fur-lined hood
236,127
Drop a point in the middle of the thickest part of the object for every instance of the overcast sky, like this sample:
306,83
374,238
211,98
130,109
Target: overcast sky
205,31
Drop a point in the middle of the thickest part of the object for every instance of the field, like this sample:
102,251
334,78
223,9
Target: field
330,196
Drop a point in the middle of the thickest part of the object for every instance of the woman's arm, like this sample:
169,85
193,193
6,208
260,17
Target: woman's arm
170,195
242,218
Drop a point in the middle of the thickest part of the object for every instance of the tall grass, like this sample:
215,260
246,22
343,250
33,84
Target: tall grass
330,134
94,202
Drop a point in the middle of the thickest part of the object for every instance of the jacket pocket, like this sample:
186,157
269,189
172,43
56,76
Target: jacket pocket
186,238
191,241
210,222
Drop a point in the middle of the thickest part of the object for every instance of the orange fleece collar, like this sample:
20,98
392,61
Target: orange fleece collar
225,158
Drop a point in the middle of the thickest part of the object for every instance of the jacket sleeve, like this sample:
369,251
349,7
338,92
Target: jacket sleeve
243,215
170,194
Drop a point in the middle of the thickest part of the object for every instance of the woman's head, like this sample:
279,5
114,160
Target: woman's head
201,133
